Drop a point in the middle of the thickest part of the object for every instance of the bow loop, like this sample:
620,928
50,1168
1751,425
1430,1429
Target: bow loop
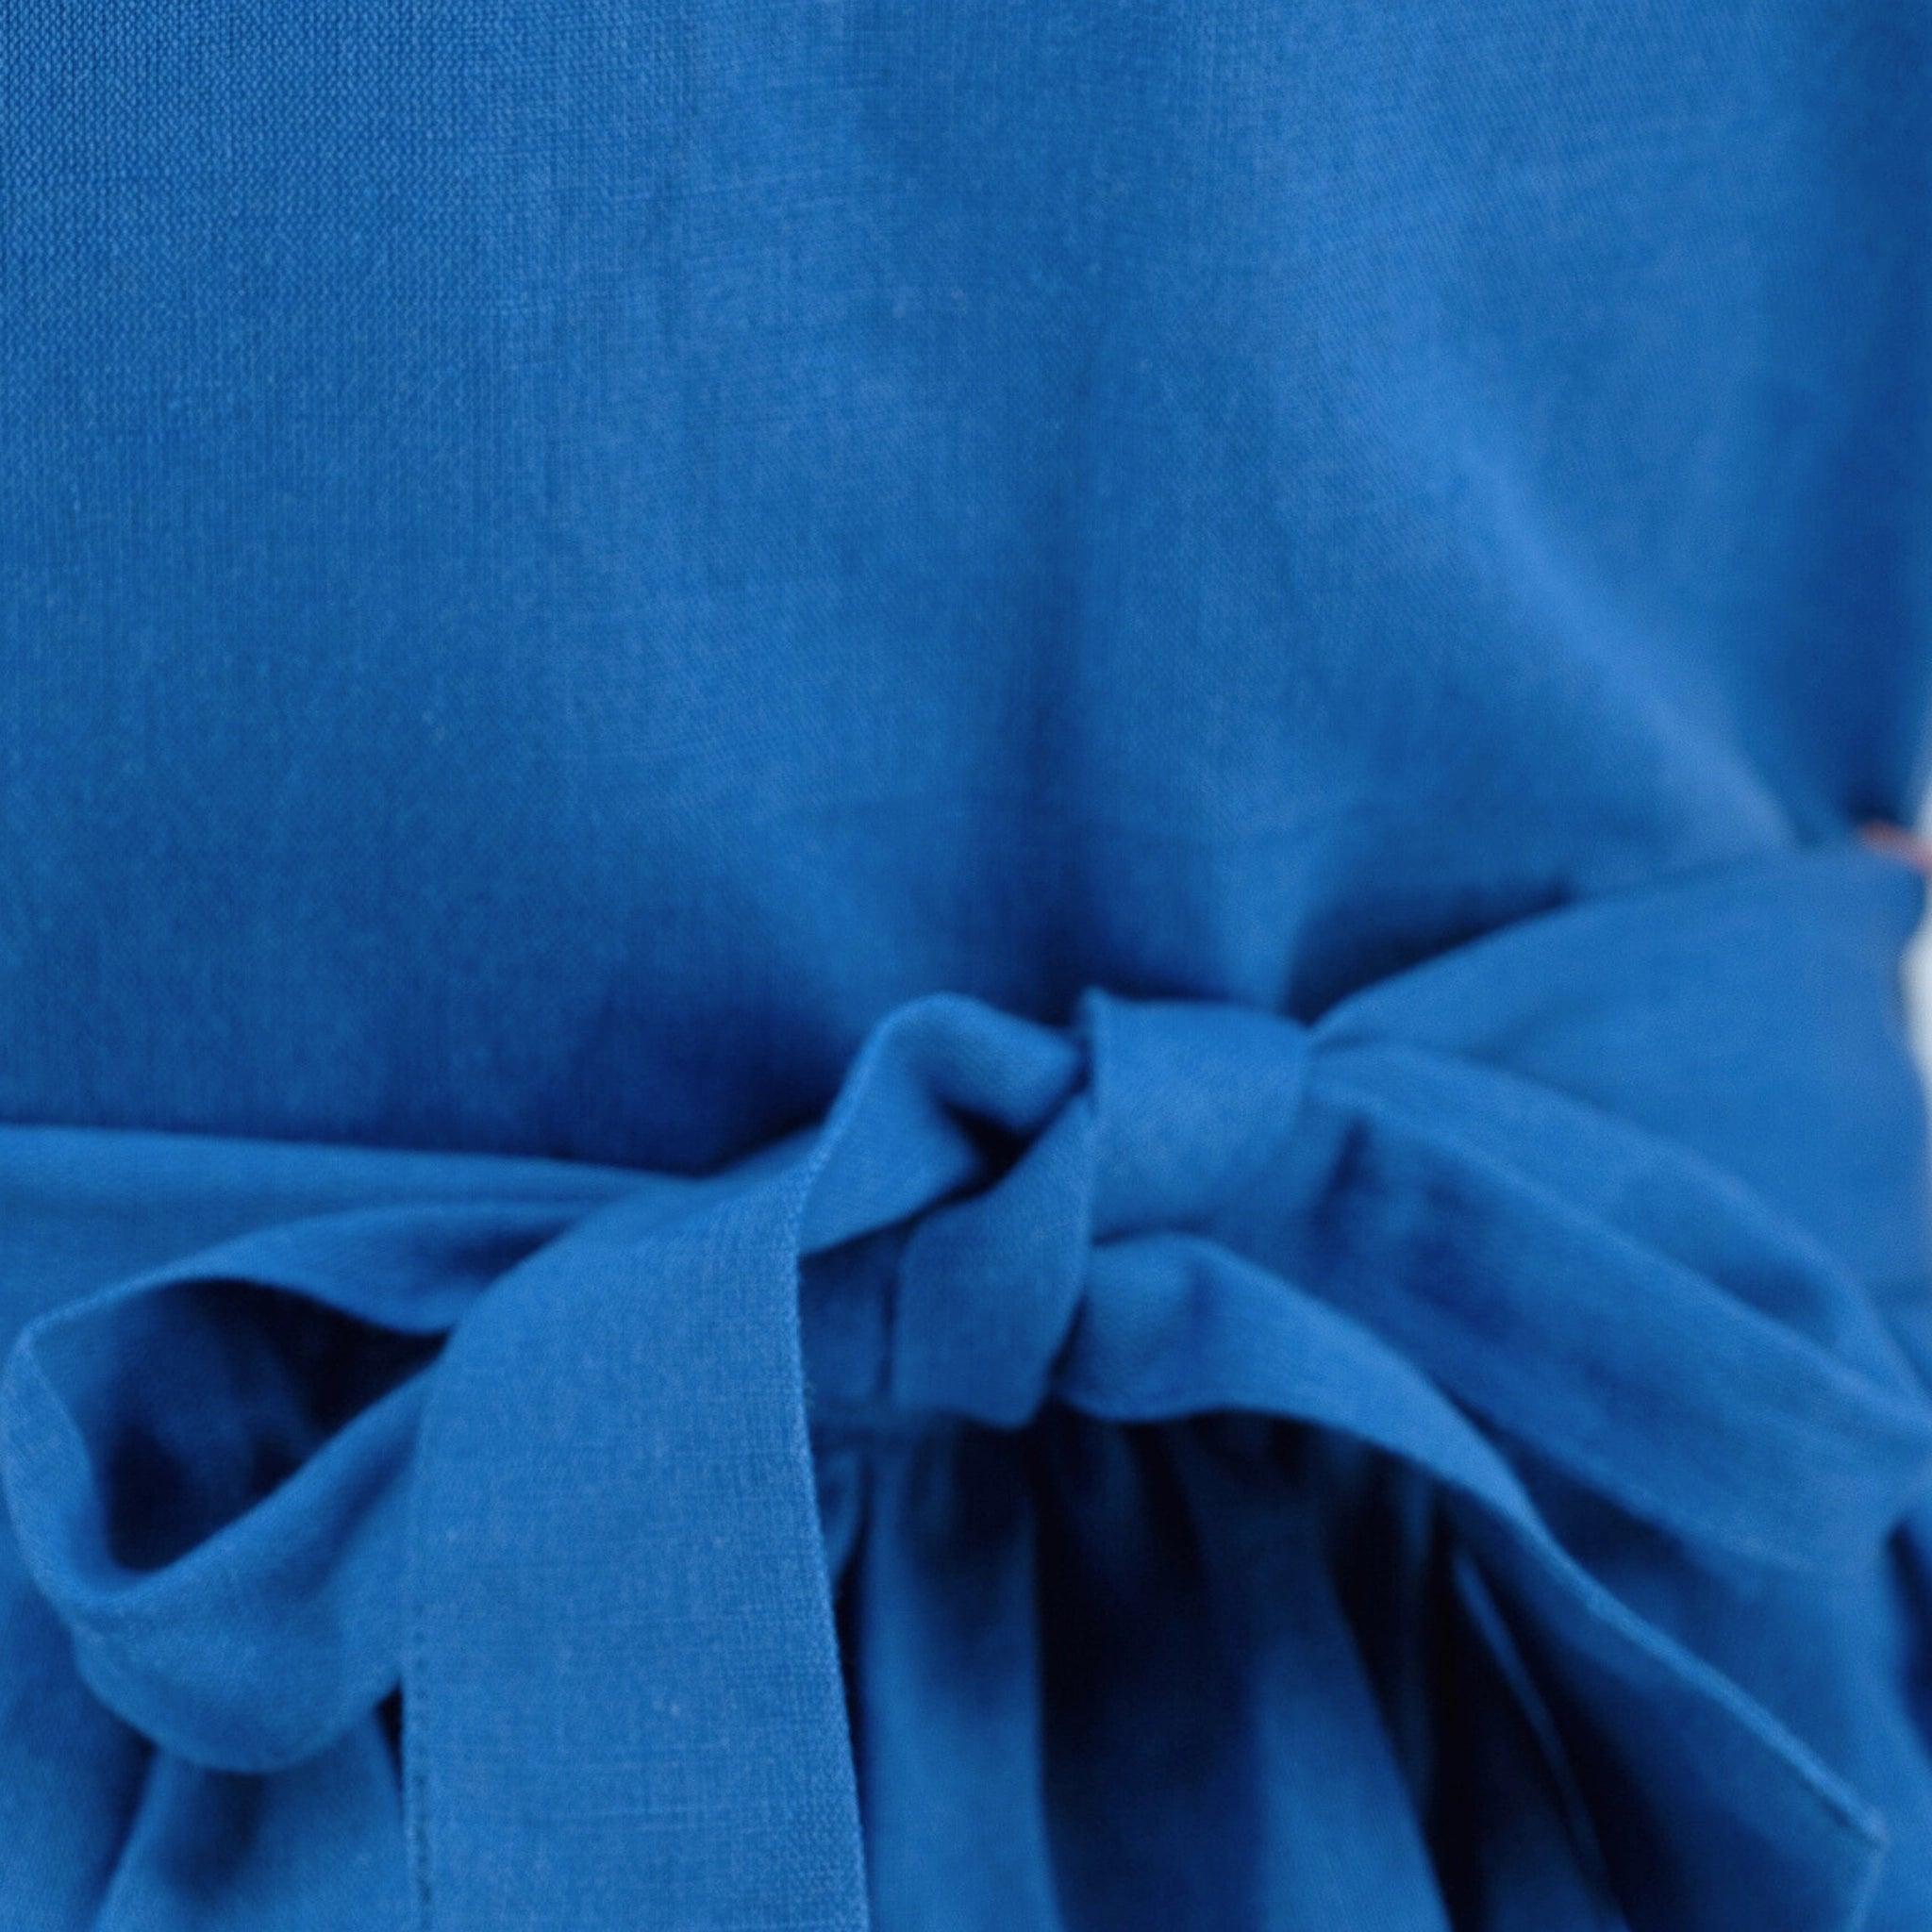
1603,1300
206,1468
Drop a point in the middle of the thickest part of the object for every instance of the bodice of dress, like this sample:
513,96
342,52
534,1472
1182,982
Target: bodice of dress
556,564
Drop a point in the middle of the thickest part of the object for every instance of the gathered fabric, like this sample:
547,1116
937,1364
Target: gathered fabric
565,1545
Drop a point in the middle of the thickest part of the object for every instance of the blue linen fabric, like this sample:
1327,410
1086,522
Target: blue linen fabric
933,984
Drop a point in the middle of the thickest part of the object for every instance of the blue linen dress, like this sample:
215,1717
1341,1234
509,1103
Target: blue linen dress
934,989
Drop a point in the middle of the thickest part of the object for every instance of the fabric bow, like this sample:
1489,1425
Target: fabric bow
548,1465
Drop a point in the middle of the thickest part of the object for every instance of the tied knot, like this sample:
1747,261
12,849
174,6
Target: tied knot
1170,1112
